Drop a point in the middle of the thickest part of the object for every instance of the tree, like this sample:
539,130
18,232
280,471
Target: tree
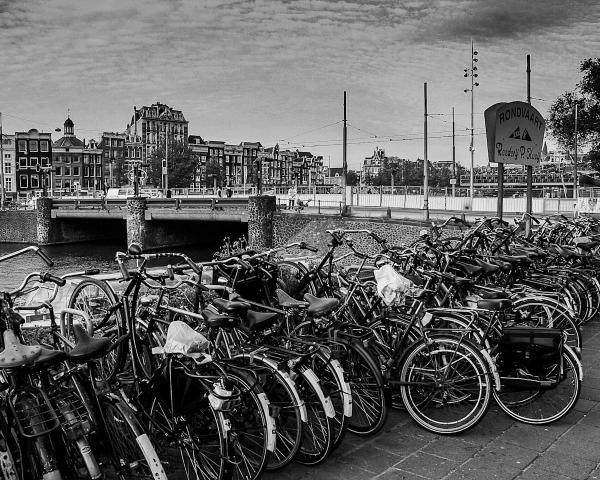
182,164
119,171
215,173
351,178
586,95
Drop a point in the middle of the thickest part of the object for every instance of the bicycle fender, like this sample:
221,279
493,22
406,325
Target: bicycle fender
312,378
271,429
158,472
576,360
493,368
345,386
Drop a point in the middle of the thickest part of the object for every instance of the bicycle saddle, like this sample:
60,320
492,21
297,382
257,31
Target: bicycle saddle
320,306
49,357
86,347
493,295
587,246
285,301
15,354
229,306
257,320
216,320
504,266
487,267
496,305
469,269
514,259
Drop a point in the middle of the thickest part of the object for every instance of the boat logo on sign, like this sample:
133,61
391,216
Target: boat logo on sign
517,134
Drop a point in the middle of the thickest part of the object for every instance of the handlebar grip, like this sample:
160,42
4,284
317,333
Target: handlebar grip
92,271
377,238
170,272
244,264
45,257
306,246
48,277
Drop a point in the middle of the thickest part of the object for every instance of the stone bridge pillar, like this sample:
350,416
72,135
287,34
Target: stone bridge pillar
44,220
136,221
260,221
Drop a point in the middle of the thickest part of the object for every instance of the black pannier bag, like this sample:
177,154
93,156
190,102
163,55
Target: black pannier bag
530,353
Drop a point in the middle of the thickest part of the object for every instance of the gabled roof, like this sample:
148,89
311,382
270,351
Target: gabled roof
68,141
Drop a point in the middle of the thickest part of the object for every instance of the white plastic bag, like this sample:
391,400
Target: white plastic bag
391,286
184,340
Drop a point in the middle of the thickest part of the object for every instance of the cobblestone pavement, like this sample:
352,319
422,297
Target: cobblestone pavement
497,448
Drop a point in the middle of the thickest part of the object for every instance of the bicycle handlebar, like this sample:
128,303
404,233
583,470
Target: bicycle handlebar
31,248
42,276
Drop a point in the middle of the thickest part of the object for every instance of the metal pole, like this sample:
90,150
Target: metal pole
575,172
166,184
472,192
529,204
344,159
2,190
453,157
425,162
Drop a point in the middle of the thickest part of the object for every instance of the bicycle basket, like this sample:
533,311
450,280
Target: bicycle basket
531,351
71,411
34,414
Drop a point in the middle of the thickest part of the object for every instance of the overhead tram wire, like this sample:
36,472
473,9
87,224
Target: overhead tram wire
309,131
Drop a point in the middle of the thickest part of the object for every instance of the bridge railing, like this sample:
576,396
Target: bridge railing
152,203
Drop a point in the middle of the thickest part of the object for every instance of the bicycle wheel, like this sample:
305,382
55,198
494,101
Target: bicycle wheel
317,438
132,453
98,300
10,465
445,384
197,432
539,406
252,434
286,408
289,277
369,408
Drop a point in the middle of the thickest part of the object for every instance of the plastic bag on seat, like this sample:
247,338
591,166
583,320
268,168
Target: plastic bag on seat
184,340
391,286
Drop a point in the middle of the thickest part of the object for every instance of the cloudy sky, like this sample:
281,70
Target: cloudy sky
275,70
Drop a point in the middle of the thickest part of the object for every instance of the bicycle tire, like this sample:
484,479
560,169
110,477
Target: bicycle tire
96,298
540,407
444,376
132,453
9,467
289,276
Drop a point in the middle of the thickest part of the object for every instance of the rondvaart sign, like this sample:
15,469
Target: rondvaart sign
515,133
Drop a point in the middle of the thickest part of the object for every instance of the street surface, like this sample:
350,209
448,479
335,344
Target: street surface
497,448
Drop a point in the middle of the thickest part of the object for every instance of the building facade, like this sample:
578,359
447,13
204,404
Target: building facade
113,157
33,151
154,127
9,164
372,165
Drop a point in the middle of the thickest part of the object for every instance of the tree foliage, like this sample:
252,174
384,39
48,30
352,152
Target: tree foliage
586,95
182,164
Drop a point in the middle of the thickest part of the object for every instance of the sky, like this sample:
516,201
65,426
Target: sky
275,71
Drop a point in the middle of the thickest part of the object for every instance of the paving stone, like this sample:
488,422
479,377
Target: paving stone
576,448
335,471
399,444
451,448
413,429
583,433
481,468
557,462
533,474
588,393
595,474
535,437
584,405
371,459
512,456
426,465
395,474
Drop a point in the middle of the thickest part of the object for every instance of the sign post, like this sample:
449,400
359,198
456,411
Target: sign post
515,134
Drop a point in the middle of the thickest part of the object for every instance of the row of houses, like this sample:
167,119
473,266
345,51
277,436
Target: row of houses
32,161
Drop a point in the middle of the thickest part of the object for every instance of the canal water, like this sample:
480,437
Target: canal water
80,256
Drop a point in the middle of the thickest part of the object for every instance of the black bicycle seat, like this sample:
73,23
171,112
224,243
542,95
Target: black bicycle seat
514,259
87,347
15,354
469,269
229,306
258,320
495,304
285,301
320,306
50,357
216,320
493,295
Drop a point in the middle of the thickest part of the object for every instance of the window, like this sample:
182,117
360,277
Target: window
43,145
98,160
35,182
76,171
7,167
67,159
33,161
23,181
22,145
86,159
67,171
67,184
7,156
8,184
23,162
98,171
45,161
58,183
86,171
33,145
58,171
76,158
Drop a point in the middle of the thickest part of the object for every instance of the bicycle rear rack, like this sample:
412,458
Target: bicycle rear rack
34,414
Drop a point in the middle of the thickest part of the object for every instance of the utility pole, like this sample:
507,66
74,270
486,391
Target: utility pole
166,167
529,201
425,162
453,157
471,72
575,172
2,189
344,159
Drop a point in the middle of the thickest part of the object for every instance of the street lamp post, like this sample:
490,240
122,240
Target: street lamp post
471,72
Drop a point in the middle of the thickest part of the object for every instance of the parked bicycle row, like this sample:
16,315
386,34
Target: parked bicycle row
226,368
